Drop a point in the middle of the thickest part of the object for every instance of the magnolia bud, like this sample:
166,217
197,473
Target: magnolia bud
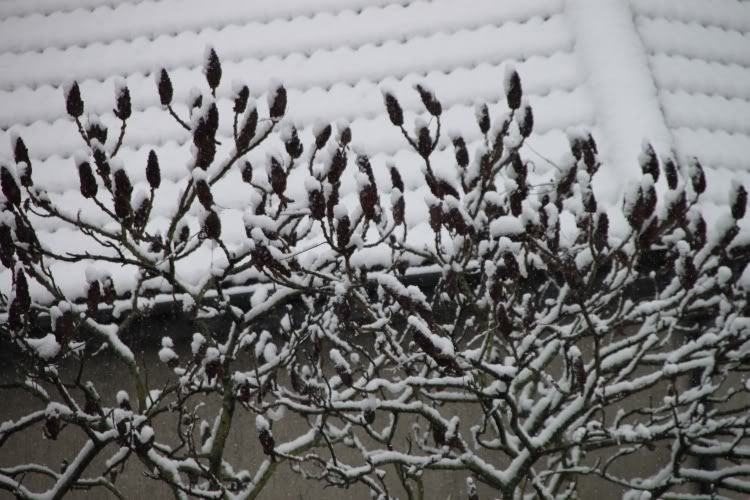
697,177
513,90
7,246
164,85
96,131
292,144
73,101
212,226
277,102
601,233
10,189
430,102
278,177
649,162
247,172
89,187
526,121
51,427
123,108
21,156
204,194
23,299
739,202
93,297
343,232
317,204
462,154
240,99
123,187
424,141
247,129
122,206
153,173
212,69
345,135
392,106
322,136
670,172
483,117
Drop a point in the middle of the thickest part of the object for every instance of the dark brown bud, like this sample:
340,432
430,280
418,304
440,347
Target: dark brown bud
462,154
424,141
317,204
164,85
7,246
240,99
483,117
649,162
292,144
89,187
278,103
670,172
430,102
368,199
698,233
109,294
739,202
247,172
204,194
579,372
51,427
212,226
337,167
504,325
516,199
368,415
323,135
511,266
23,299
576,147
589,201
398,210
392,106
97,131
153,172
343,232
73,101
10,188
345,136
436,217
601,232
184,234
122,207
513,92
526,124
266,441
247,129
212,69
123,108
345,375
93,297
278,177
21,156
697,177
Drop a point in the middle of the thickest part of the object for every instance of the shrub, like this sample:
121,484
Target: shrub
541,317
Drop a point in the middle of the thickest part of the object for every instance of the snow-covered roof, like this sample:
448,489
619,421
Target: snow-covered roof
675,71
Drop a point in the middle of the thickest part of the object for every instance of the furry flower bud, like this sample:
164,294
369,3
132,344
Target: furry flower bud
164,85
153,172
392,106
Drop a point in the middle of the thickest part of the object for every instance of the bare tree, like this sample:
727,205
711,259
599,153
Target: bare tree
541,319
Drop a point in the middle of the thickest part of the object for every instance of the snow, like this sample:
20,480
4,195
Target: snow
622,88
506,225
46,347
261,424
